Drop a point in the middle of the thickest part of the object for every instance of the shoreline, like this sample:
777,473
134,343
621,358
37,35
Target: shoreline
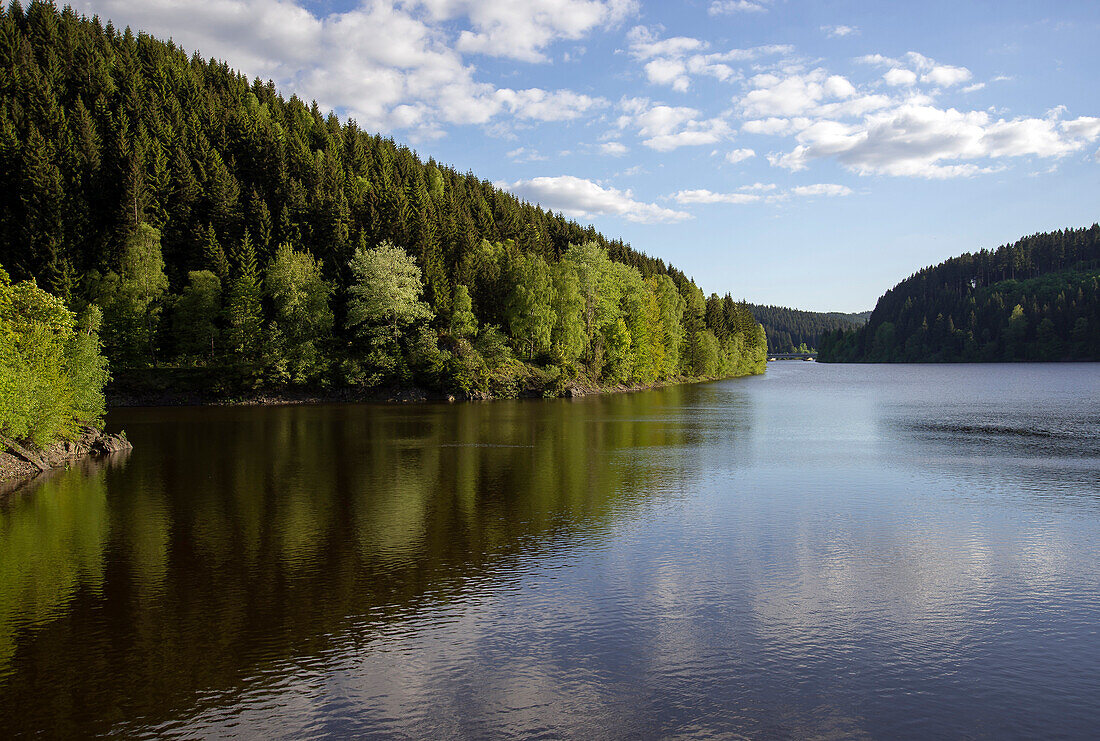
350,395
21,464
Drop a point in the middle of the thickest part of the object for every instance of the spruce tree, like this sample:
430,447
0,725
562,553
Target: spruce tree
244,320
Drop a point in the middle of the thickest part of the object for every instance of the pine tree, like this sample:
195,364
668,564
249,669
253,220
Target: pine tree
244,322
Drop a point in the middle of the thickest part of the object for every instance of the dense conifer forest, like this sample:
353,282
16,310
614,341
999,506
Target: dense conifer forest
217,225
793,330
1037,299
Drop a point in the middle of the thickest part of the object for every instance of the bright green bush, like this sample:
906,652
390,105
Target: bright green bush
52,372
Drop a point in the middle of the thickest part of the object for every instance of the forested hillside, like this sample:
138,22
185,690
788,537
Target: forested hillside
793,330
220,225
1037,299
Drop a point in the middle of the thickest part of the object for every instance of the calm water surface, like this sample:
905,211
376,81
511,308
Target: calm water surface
824,552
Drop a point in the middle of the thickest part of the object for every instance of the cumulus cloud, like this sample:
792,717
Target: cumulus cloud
729,7
821,189
901,134
543,105
504,28
945,76
815,93
912,65
898,76
739,155
706,196
674,61
834,32
755,193
525,154
775,126
665,128
925,141
759,187
389,66
615,149
585,199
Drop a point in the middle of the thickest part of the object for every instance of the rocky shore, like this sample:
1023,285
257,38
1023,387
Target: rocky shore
390,395
21,462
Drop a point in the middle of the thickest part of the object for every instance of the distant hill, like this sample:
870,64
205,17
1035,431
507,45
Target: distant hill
787,329
1036,299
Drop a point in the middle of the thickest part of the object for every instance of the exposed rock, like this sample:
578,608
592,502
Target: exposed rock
20,459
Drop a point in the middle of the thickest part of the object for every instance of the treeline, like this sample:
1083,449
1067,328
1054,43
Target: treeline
218,224
1037,299
793,330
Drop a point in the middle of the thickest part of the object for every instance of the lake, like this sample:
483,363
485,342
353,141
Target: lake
827,551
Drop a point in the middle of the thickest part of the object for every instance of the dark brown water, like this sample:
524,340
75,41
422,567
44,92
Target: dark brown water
827,551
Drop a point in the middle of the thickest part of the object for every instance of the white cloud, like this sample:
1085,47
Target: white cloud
706,196
644,44
615,149
834,32
674,61
525,154
878,60
1086,127
919,62
800,94
752,194
505,28
668,72
775,126
729,7
897,77
584,199
906,134
905,71
543,105
389,66
924,141
945,76
739,155
665,128
821,189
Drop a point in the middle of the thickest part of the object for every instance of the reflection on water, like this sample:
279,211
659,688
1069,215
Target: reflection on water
828,551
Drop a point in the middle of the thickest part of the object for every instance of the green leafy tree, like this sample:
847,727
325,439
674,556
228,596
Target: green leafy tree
302,321
196,313
670,308
384,302
131,299
1016,332
52,373
528,309
567,339
694,324
705,357
463,321
386,290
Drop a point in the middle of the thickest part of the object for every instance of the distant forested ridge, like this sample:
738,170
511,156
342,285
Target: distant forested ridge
793,330
219,225
1037,299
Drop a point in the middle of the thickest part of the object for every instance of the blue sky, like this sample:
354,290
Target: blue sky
807,154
